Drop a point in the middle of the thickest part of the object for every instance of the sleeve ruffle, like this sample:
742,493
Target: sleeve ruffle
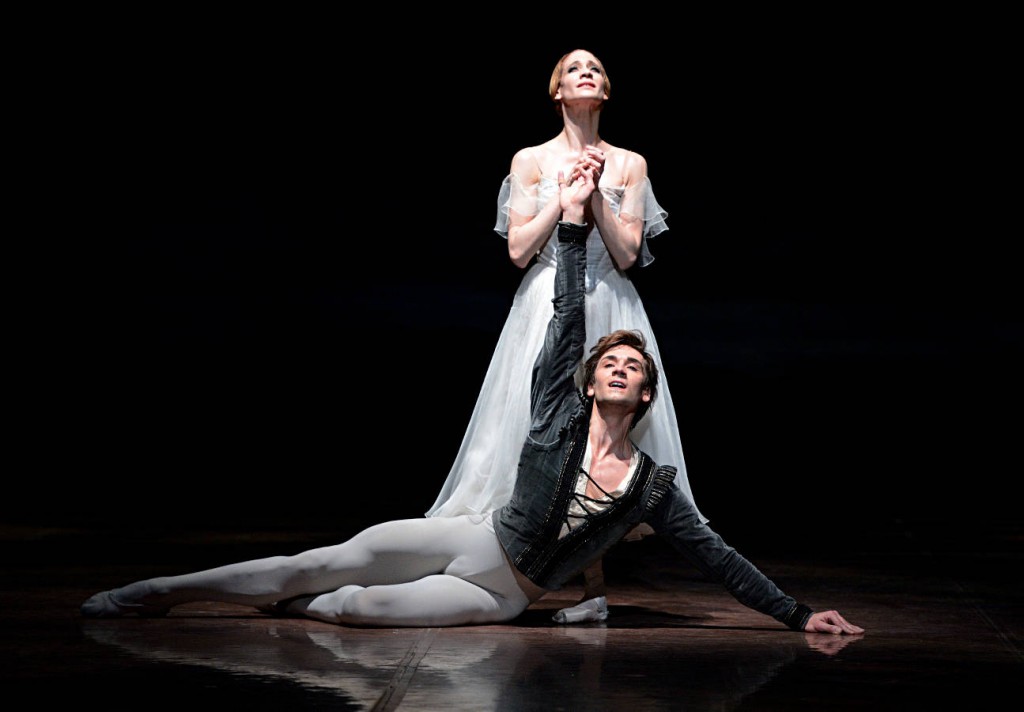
514,197
639,203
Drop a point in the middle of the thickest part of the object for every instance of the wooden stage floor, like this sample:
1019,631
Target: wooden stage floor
943,620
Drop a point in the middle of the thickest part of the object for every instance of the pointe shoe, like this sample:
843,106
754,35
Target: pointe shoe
104,605
589,611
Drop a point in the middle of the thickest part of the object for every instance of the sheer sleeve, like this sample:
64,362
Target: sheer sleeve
514,197
639,203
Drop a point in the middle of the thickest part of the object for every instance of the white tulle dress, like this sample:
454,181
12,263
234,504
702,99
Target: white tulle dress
484,471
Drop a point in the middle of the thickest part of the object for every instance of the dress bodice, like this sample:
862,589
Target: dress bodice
626,202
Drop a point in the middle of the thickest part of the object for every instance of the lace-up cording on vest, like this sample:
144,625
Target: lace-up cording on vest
582,506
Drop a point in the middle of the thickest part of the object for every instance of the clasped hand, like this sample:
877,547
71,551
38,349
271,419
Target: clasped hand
591,157
575,191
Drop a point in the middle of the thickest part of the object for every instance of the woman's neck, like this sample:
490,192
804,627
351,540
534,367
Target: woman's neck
580,127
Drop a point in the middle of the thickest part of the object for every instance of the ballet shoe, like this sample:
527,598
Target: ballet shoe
104,605
589,611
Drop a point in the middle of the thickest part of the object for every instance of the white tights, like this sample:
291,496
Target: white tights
434,571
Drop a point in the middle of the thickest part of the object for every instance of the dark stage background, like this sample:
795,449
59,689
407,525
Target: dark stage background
308,289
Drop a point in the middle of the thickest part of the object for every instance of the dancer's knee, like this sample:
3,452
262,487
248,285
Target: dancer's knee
401,605
335,607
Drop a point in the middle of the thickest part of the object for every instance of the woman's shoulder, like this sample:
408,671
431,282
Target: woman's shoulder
627,161
526,164
538,164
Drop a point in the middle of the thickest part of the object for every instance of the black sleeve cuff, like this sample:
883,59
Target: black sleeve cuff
797,616
572,232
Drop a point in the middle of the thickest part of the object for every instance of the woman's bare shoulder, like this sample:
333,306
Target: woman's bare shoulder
629,166
625,157
526,163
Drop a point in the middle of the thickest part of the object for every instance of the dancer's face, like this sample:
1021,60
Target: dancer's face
619,378
582,77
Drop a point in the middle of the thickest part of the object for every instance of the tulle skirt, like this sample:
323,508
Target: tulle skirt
484,470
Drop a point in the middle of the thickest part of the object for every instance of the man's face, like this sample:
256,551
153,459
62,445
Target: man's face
619,378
